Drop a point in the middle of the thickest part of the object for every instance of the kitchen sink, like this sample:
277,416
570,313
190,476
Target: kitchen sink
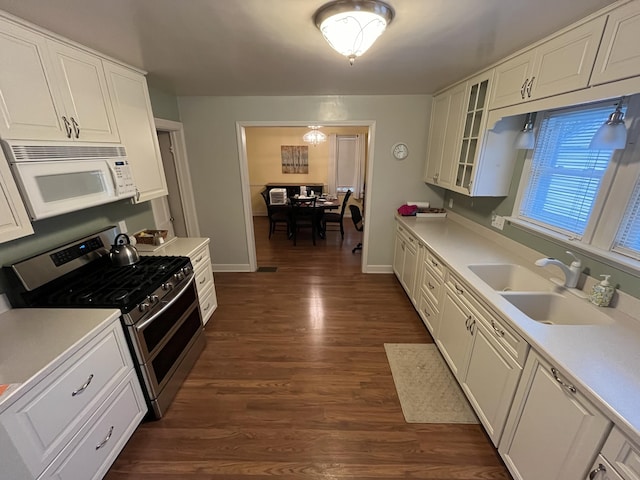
555,309
506,277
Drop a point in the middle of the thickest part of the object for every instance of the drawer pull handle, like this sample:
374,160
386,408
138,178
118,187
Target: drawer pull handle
426,312
596,471
199,259
431,287
434,263
458,289
497,329
207,307
106,439
201,282
568,386
83,387
467,322
472,328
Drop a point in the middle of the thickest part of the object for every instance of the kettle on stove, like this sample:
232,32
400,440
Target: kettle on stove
123,254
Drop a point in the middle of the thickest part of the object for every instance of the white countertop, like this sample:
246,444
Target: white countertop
177,246
34,341
603,360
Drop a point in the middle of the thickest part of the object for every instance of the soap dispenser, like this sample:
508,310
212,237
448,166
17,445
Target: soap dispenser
602,292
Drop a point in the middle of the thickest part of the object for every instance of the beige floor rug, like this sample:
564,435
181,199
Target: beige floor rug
427,390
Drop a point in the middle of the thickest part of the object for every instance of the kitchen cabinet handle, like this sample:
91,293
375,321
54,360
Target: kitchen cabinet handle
467,322
434,263
201,282
596,471
431,287
523,90
529,87
568,386
83,387
76,127
106,439
206,308
426,312
497,329
67,126
199,259
402,246
458,289
137,195
472,327
435,177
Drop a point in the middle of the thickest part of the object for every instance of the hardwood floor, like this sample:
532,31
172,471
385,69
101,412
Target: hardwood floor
294,382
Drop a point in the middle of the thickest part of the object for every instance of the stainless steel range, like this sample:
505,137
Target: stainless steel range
157,297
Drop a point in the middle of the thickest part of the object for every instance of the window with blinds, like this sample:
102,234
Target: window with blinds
565,174
627,240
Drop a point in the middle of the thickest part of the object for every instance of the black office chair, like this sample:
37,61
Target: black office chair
334,217
356,216
303,215
277,214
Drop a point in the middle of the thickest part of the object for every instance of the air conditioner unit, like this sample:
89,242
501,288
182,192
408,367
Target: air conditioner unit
278,196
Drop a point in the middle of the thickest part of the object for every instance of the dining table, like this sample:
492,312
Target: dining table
322,204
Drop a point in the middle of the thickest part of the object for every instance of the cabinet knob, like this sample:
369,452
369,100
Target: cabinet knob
596,471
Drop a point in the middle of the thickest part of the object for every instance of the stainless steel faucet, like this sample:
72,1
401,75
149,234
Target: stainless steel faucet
571,273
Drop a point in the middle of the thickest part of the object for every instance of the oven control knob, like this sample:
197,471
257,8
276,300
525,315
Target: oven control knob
153,299
167,286
178,276
186,270
143,307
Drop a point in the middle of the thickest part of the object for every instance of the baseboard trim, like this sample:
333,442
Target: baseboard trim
378,269
231,267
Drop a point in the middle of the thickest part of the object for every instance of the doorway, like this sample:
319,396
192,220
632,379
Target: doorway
251,187
176,211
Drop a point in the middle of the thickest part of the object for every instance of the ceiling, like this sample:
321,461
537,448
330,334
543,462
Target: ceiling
272,47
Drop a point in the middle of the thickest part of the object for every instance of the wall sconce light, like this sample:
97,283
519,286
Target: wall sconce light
526,139
352,26
613,133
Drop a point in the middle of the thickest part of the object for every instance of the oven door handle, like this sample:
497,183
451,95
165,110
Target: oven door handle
143,325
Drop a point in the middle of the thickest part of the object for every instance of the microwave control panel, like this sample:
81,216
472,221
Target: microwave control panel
123,177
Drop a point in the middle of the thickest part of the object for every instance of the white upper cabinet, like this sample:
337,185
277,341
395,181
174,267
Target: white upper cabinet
130,97
83,89
28,105
619,54
14,220
444,135
559,65
51,91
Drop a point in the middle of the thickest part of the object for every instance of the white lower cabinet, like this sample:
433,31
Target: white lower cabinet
618,459
454,334
405,260
602,470
96,389
553,431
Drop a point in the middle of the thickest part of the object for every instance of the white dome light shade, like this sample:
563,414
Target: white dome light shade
352,26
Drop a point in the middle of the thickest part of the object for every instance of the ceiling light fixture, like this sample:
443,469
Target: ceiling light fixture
613,133
352,26
314,136
526,139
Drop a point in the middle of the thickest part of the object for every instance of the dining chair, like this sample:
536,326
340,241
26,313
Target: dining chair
356,216
276,213
303,215
334,217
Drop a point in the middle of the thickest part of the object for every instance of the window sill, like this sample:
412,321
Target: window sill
615,260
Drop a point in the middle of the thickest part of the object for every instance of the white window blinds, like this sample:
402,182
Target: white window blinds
565,174
628,238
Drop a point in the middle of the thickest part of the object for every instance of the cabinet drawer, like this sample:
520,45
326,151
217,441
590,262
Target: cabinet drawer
47,417
430,315
208,304
623,455
435,264
105,436
204,277
431,285
200,257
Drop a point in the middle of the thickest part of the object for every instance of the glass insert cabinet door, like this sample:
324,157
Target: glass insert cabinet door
478,89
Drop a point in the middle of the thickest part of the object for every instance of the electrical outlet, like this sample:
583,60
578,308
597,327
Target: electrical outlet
122,225
497,221
451,203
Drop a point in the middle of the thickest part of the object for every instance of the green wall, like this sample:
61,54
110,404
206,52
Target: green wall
163,104
480,210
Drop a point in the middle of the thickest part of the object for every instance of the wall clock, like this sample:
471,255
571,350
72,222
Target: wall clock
400,151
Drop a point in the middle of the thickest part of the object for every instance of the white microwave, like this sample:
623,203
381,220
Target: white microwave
65,177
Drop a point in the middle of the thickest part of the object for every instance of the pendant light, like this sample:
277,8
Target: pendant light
613,133
526,139
352,26
314,136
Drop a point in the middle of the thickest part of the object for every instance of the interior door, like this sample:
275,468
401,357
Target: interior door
169,210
